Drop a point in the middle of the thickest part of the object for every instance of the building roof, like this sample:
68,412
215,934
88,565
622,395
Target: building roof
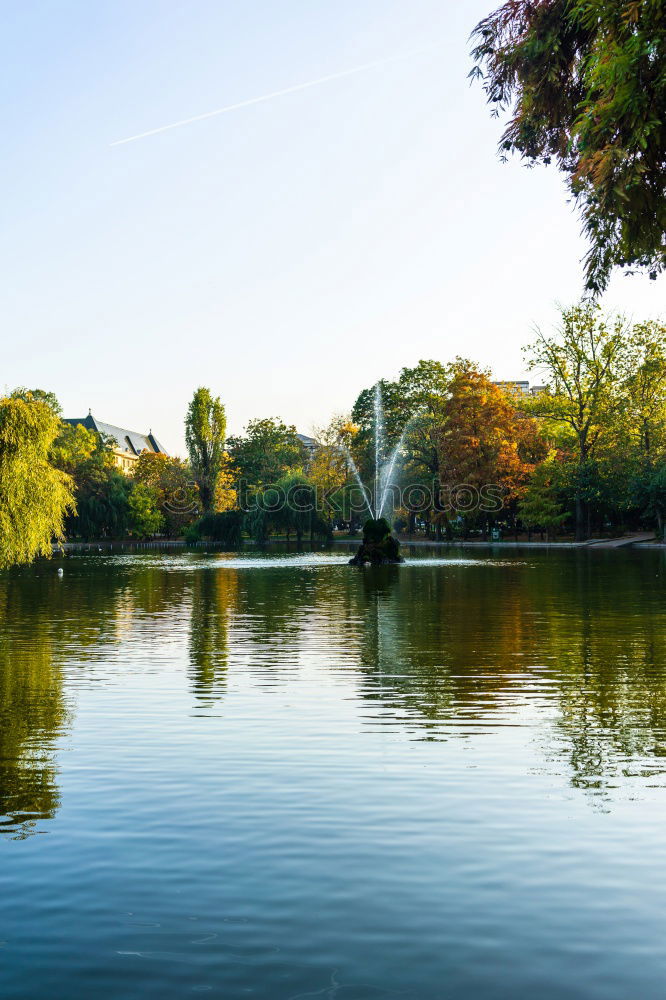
308,442
130,441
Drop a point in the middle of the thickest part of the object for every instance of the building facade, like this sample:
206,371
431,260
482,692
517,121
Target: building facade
125,446
520,388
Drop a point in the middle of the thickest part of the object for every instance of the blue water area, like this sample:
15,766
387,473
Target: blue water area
279,777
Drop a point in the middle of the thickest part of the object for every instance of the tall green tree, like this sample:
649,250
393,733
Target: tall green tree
205,433
584,82
34,495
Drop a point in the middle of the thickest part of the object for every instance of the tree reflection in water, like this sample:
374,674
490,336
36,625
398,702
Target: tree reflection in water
573,642
33,711
212,600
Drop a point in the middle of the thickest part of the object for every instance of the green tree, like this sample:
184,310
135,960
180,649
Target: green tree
329,468
145,515
102,501
74,445
412,413
205,432
645,389
585,83
101,490
268,450
425,390
639,456
583,367
392,415
541,506
39,396
34,496
288,506
648,492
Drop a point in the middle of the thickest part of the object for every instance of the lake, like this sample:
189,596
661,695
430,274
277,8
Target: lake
275,776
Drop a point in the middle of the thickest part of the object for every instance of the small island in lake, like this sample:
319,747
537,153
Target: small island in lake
379,546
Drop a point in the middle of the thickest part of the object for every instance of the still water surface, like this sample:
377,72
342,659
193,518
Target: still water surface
278,777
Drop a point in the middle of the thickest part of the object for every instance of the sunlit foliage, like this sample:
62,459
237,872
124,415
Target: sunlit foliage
205,432
34,495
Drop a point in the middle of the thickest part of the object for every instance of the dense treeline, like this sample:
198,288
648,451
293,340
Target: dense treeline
585,454
458,455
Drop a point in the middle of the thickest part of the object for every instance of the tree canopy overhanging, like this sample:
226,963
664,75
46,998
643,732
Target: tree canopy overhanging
585,84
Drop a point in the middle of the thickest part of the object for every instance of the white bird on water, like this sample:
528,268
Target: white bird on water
61,571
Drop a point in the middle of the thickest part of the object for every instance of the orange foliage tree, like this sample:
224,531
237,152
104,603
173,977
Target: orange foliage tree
483,441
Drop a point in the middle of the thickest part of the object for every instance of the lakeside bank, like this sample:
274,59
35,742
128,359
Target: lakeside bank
637,541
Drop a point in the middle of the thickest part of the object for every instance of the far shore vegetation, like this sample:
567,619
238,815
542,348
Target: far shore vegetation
583,455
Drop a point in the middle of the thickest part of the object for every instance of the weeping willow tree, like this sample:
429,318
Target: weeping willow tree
34,496
584,83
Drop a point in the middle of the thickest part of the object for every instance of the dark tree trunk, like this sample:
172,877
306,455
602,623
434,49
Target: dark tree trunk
580,519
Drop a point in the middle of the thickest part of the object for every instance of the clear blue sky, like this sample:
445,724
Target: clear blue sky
286,254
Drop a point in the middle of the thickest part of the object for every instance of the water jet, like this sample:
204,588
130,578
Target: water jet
379,546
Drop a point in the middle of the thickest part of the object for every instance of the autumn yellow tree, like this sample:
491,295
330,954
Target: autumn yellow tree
329,469
226,494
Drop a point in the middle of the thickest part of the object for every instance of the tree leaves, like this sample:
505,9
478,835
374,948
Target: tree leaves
586,84
34,496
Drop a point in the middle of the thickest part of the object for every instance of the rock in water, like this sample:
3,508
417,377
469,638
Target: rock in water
379,546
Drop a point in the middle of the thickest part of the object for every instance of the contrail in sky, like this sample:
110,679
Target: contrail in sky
275,93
